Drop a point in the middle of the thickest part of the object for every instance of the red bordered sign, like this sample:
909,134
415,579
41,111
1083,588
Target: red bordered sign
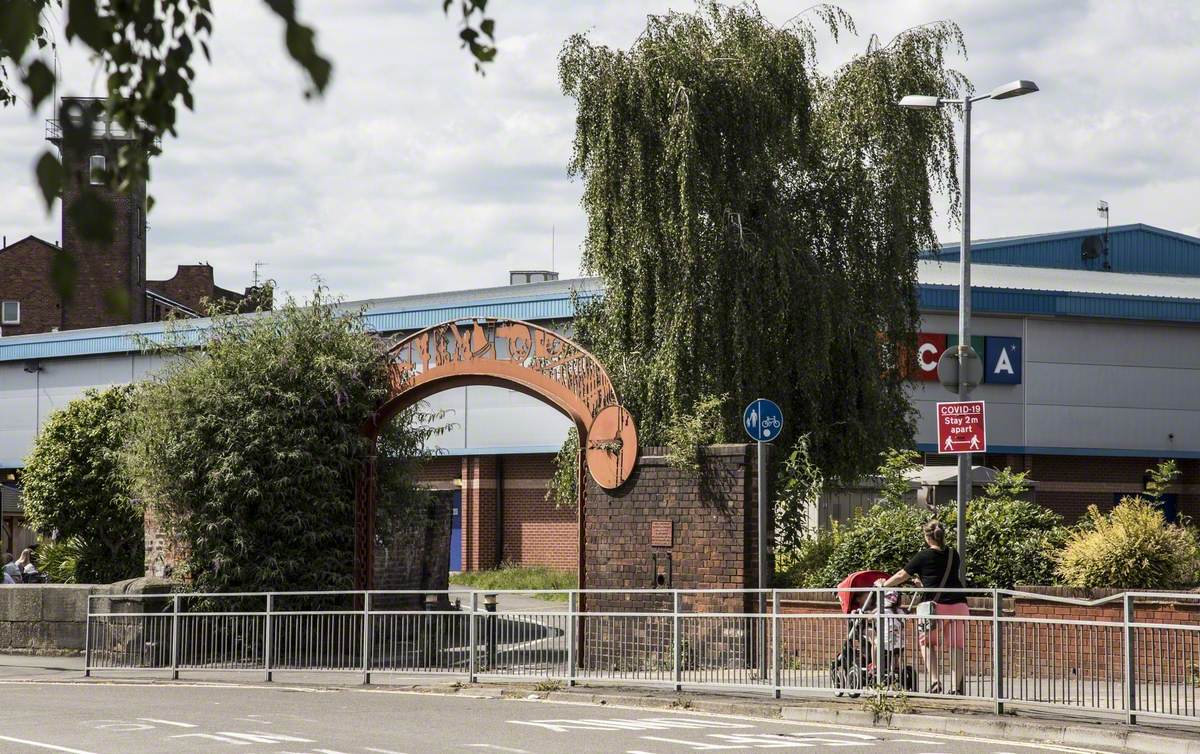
961,427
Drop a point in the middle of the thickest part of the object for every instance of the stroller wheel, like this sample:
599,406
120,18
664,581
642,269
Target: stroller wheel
837,676
855,680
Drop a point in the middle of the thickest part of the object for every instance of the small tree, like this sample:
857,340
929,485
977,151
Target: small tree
893,470
800,485
77,489
1162,477
249,446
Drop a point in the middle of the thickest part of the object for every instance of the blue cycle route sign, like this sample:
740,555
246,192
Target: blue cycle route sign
763,420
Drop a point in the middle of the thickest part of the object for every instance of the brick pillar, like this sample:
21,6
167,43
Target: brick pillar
704,526
479,513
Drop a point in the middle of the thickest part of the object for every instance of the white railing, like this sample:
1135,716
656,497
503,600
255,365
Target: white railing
1132,654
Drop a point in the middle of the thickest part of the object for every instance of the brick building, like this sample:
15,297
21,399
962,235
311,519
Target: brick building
110,286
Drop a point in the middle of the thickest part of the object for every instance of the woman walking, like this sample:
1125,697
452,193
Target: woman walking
937,567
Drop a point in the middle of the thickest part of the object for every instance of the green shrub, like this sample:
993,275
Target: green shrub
249,448
1011,541
883,538
75,486
1131,547
801,566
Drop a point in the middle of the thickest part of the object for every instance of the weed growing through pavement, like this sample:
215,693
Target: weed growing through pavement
884,701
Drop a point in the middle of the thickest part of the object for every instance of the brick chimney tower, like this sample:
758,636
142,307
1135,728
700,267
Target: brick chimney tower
111,284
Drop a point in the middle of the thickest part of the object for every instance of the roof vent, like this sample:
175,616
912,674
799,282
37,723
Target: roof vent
520,277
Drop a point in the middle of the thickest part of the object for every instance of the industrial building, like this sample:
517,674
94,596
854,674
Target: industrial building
1090,339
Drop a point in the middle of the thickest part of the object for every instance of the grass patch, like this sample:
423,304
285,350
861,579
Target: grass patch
519,577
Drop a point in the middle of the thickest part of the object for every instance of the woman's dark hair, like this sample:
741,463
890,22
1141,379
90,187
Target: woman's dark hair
935,531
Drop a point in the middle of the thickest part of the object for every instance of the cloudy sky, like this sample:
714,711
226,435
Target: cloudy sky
415,174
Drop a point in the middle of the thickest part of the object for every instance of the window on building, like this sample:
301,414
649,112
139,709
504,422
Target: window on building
96,170
10,313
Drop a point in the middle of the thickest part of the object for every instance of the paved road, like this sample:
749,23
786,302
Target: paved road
120,718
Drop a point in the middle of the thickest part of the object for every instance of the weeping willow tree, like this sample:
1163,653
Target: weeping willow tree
757,222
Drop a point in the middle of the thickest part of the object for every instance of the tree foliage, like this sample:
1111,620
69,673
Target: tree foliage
145,52
76,489
757,222
249,447
563,490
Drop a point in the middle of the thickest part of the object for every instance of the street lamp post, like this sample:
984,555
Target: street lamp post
1006,91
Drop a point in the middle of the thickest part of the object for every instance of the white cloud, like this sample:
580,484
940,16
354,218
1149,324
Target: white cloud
416,174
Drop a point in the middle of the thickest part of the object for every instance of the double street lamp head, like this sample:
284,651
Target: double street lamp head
1004,91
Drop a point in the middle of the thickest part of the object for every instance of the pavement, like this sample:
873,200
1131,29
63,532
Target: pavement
50,707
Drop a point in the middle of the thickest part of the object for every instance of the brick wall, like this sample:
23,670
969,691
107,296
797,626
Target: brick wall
25,277
1069,484
534,531
711,517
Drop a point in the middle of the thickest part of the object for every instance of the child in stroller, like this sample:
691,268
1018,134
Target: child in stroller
854,668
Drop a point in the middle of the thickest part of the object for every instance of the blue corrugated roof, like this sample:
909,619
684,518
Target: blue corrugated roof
1010,301
389,315
1137,248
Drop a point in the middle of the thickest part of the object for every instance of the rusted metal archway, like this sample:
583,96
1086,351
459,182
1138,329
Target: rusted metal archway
504,353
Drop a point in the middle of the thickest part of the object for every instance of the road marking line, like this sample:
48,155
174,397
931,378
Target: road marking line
214,737
703,746
166,722
39,745
259,737
497,748
384,751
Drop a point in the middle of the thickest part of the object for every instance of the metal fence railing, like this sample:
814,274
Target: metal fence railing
1132,654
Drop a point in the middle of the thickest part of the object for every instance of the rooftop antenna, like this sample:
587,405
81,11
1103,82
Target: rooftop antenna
553,230
258,266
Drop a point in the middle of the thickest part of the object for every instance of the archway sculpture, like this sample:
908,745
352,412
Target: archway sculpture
512,354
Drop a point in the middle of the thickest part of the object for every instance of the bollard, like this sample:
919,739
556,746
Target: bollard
431,633
490,625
